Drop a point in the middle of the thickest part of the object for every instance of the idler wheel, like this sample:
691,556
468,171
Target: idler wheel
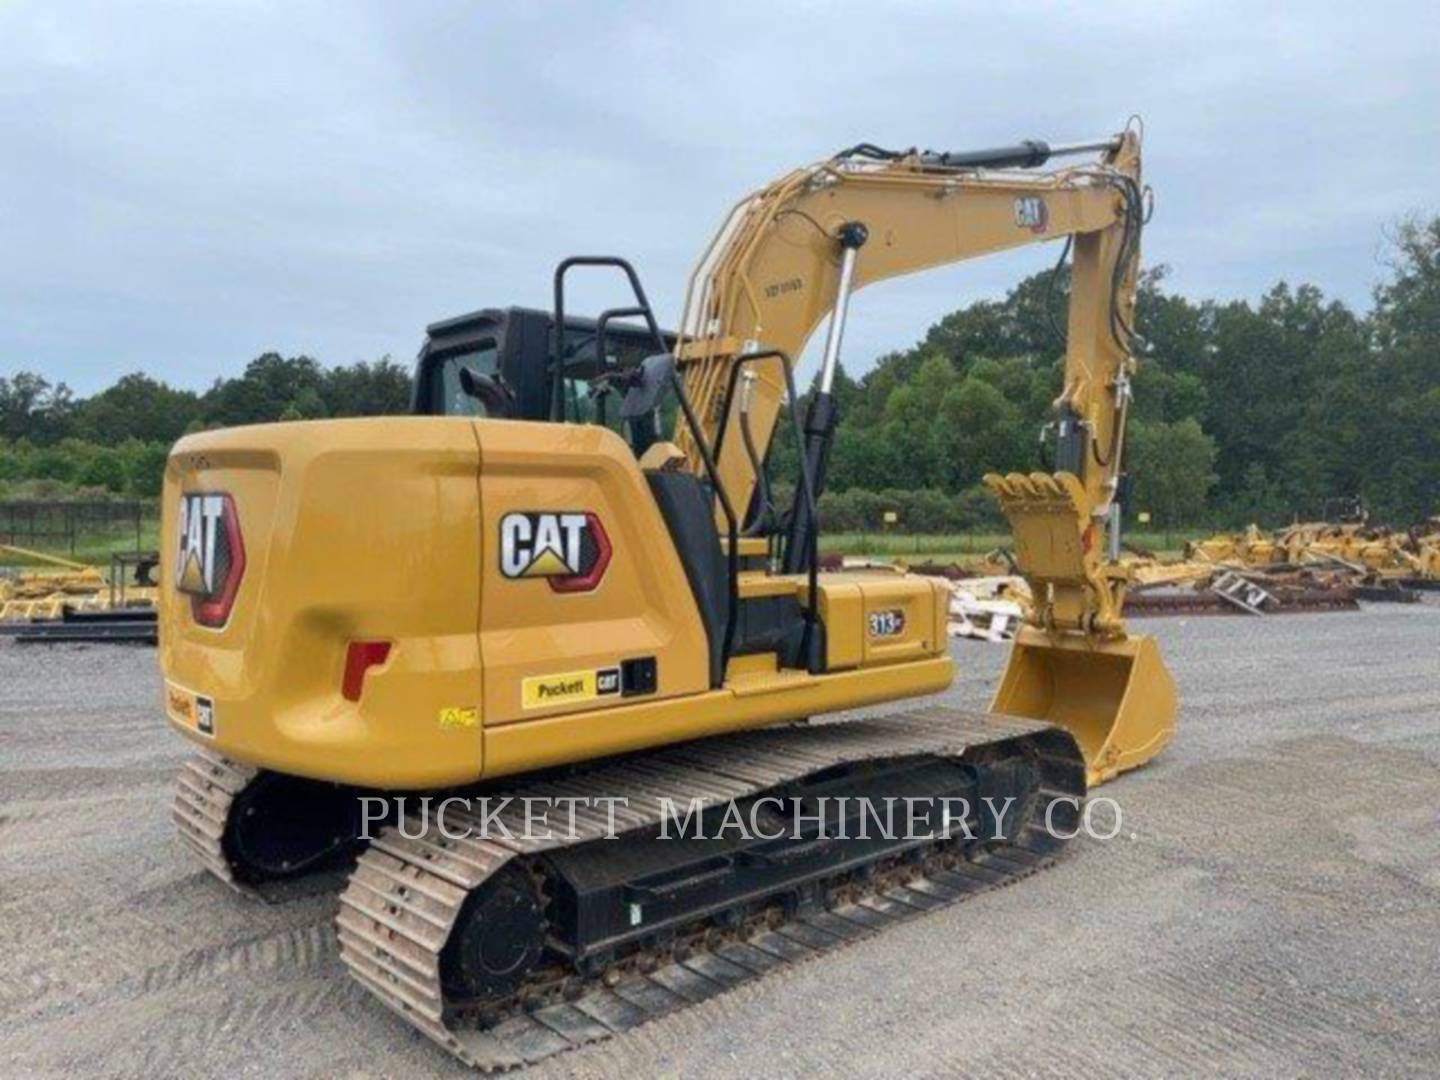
498,938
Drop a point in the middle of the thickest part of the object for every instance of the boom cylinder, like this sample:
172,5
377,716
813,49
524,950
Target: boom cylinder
852,236
821,417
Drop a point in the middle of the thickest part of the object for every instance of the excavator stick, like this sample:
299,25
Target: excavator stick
1075,667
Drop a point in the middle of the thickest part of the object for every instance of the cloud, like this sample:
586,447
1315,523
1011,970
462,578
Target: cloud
189,185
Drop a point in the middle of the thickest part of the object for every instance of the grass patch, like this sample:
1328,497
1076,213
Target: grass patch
96,548
92,548
955,547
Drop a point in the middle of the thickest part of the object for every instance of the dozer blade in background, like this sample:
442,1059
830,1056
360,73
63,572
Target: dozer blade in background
1115,697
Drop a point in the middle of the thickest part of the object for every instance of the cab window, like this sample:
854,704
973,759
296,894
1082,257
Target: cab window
447,397
622,350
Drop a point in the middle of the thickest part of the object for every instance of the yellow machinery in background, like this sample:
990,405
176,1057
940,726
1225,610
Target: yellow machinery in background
1419,550
1354,546
519,581
46,594
1250,548
42,594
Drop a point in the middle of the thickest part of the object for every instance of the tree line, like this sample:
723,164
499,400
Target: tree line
115,442
1243,411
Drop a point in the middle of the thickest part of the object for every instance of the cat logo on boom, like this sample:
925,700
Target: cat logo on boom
1031,213
569,549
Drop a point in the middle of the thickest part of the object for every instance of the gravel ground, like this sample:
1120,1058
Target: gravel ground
1272,906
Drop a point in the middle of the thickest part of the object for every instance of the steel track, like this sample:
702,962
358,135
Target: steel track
205,790
405,896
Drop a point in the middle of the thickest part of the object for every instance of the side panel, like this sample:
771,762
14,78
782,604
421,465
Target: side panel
536,639
353,530
876,619
557,740
899,619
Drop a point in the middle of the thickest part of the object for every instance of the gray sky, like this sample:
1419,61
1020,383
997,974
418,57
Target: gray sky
187,185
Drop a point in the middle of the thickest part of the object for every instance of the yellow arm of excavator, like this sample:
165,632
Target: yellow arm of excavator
790,254
772,275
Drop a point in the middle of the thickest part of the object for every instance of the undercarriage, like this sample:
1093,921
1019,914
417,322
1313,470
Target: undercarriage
667,877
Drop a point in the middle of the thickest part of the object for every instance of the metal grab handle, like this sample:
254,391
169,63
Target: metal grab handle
557,403
807,482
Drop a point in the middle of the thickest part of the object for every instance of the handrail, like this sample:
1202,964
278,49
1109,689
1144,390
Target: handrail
807,482
557,402
557,411
733,555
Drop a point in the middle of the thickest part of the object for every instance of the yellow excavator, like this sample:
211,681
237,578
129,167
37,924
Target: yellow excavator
565,582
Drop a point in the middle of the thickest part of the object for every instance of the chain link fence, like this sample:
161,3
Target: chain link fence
74,528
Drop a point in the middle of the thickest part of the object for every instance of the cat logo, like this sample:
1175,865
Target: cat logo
1031,213
199,530
209,555
569,549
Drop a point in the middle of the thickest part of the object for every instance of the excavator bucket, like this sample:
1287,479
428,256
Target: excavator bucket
1115,697
1109,689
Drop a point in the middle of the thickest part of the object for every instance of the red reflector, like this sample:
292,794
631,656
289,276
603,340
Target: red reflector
360,658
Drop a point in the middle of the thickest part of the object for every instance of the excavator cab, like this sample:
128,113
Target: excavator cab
510,349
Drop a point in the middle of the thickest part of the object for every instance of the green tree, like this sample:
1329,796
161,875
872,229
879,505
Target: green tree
31,408
381,388
860,457
1174,469
908,431
978,431
102,467
138,407
144,466
271,384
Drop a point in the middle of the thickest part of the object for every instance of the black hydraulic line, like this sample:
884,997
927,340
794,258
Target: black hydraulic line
808,487
732,522
870,150
1134,219
767,507
1026,154
1051,281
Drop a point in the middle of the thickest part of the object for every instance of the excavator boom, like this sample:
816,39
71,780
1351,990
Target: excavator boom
793,253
